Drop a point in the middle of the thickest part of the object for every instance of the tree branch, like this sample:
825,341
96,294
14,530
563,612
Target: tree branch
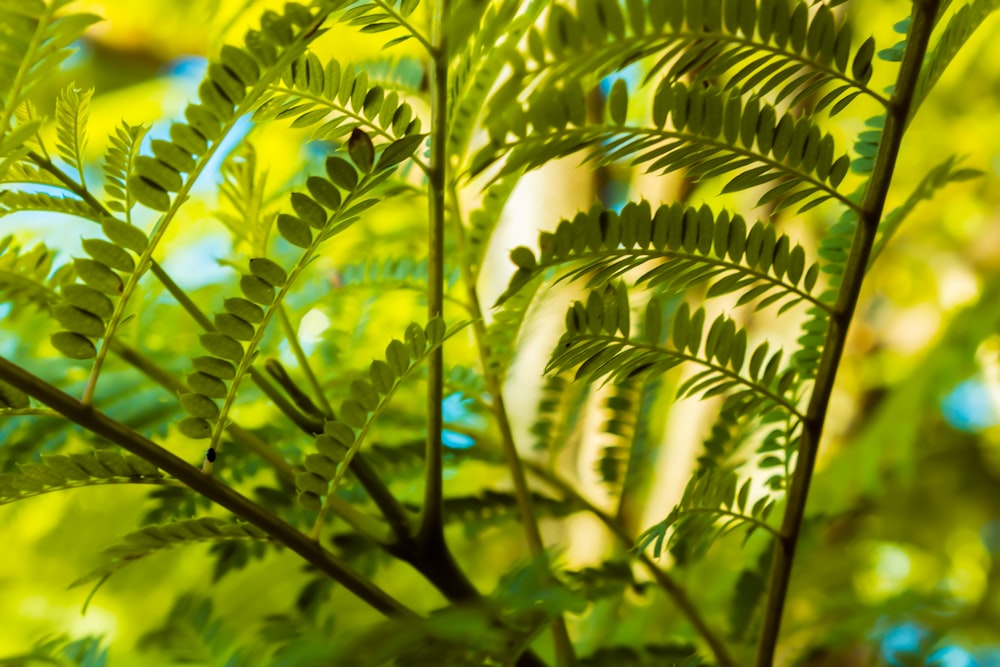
282,532
924,13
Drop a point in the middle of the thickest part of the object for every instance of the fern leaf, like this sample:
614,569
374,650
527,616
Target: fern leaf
61,472
36,41
961,26
609,579
72,114
343,437
598,344
25,275
484,220
119,161
243,192
12,201
784,49
154,539
508,322
557,412
712,133
678,247
714,503
480,66
936,179
339,100
233,346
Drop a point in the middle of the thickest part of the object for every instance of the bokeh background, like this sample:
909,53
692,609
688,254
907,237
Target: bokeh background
905,557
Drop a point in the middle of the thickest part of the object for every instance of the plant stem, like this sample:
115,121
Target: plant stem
673,589
564,647
282,532
431,520
872,205
293,341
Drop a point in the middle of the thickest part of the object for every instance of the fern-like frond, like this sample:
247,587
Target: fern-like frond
677,247
59,472
339,100
557,413
779,48
24,275
608,579
119,161
477,513
72,114
154,539
508,321
343,436
243,192
598,343
19,171
492,49
332,205
715,503
35,38
484,220
957,32
711,133
12,201
618,431
936,179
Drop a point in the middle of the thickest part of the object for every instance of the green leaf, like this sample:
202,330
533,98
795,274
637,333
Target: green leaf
361,150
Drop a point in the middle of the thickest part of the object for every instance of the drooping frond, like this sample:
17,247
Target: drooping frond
34,42
14,201
508,322
484,220
343,436
332,205
556,414
608,579
677,247
715,503
492,48
24,275
620,425
956,33
712,133
935,179
119,161
477,513
390,273
72,114
599,345
339,100
154,539
59,472
780,48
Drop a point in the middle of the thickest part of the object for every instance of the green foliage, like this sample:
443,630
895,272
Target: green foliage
57,472
435,451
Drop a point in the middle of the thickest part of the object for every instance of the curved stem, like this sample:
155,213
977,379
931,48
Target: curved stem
282,532
872,205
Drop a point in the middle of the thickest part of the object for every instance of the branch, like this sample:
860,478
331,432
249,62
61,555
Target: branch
282,532
924,12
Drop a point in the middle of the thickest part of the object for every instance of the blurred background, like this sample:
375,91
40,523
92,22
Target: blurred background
902,561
